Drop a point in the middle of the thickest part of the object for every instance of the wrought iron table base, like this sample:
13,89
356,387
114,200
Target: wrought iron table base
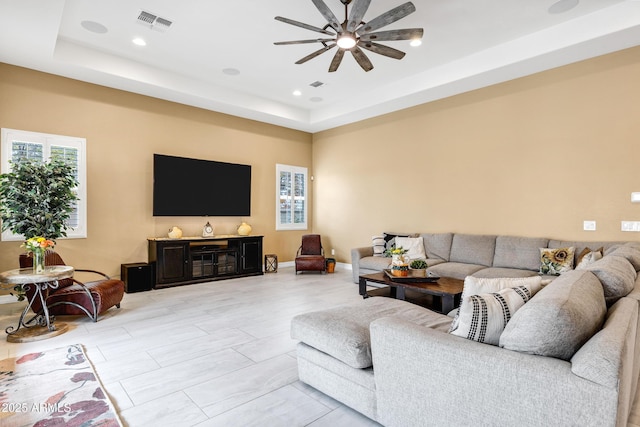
41,325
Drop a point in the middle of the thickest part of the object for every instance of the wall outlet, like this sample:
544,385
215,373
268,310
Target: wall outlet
333,251
589,226
630,225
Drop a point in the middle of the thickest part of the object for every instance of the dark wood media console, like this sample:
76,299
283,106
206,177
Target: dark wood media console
203,259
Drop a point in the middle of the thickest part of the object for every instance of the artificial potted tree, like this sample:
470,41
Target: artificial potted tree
36,201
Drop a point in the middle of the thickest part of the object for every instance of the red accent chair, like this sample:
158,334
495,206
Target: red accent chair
73,297
310,256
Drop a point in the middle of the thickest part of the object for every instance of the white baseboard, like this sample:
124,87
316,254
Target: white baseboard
341,265
7,299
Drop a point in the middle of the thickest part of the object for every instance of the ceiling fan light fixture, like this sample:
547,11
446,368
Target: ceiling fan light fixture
415,42
346,41
354,34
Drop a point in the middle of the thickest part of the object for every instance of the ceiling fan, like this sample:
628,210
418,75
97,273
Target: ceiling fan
353,34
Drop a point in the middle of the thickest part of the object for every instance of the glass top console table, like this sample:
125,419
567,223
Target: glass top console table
41,325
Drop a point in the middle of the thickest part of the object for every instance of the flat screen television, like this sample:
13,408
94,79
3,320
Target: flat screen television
193,187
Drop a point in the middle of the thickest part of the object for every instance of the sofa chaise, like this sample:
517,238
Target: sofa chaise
568,356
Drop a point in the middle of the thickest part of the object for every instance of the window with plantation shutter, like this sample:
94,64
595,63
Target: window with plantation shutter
18,145
291,197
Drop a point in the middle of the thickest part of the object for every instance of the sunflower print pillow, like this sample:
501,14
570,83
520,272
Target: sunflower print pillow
556,261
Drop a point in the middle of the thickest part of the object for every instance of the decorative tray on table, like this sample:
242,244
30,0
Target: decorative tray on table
411,277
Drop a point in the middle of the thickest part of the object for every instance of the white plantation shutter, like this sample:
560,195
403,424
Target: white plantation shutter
291,197
17,145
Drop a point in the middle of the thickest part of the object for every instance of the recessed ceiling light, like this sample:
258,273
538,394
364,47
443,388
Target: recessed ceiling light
297,93
231,71
415,42
94,27
139,41
562,6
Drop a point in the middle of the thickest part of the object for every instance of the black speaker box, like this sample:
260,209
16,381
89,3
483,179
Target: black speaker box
136,277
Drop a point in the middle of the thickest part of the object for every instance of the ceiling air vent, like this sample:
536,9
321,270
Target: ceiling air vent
154,21
316,84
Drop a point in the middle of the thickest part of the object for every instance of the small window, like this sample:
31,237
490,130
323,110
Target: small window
291,197
18,144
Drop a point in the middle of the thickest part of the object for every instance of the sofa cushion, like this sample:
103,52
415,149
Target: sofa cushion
413,245
375,263
476,286
496,272
483,317
631,252
560,319
473,249
556,261
600,359
616,274
456,270
343,332
518,252
437,245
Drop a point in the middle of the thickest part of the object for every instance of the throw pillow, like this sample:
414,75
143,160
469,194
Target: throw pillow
482,285
588,257
556,261
485,316
378,243
413,245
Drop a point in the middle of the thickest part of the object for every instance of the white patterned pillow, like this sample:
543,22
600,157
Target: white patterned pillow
413,245
378,245
483,285
483,317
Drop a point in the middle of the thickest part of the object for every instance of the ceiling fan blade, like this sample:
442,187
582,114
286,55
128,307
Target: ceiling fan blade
358,10
361,59
304,41
314,54
303,25
388,17
406,34
337,59
328,15
383,50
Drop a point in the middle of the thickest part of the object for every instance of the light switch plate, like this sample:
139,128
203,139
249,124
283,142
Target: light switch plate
630,226
589,226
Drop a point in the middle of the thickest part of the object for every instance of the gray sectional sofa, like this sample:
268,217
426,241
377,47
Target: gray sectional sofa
460,255
569,356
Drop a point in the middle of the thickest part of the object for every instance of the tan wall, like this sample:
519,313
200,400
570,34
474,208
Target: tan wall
123,130
535,157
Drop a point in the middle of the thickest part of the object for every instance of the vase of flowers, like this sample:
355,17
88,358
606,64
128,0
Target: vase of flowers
37,247
399,261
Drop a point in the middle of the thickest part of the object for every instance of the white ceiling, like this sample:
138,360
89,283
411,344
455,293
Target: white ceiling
467,44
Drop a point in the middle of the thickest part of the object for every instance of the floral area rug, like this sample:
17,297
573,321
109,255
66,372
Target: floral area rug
53,388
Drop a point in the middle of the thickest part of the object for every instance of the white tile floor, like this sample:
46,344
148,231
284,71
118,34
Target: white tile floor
214,354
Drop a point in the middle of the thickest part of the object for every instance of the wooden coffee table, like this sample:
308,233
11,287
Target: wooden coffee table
448,289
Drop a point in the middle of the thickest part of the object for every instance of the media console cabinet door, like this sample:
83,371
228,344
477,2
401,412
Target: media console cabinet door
173,260
251,255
